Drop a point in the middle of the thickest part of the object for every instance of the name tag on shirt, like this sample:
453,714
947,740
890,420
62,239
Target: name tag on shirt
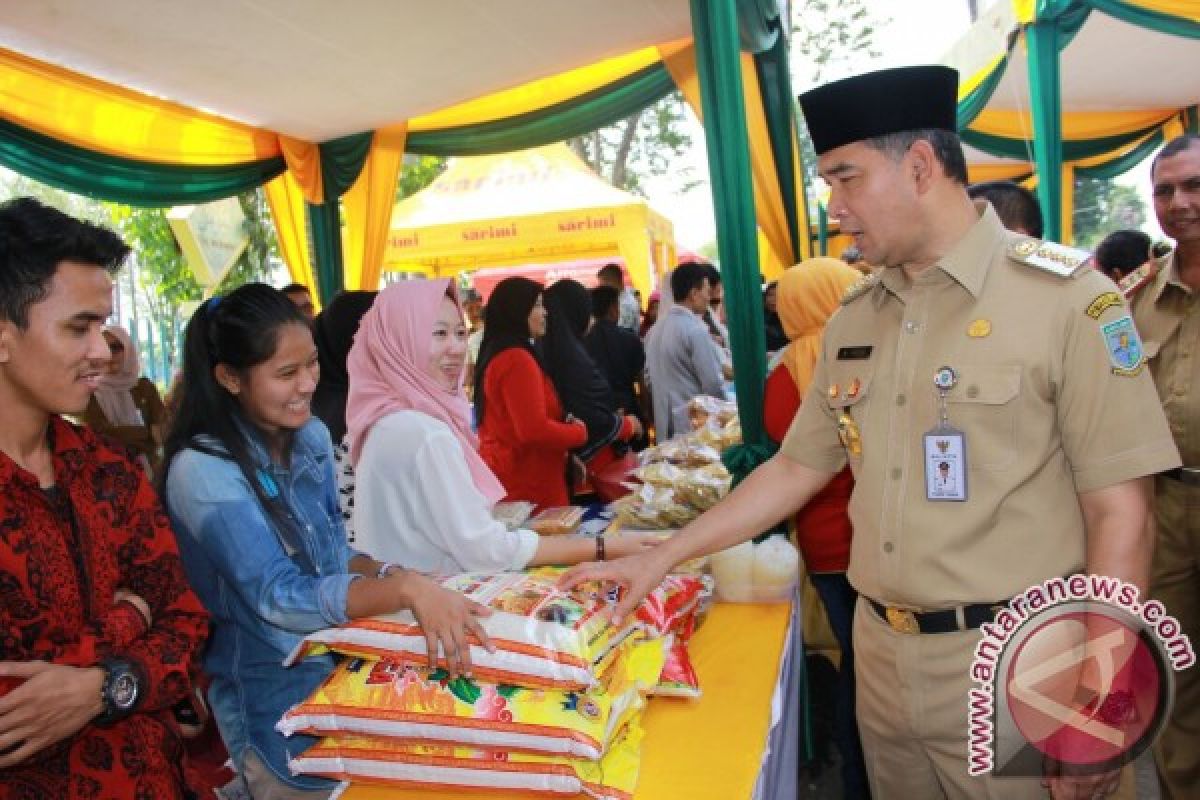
946,465
858,353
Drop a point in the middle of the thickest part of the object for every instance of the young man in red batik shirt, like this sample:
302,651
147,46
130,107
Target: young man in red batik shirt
100,633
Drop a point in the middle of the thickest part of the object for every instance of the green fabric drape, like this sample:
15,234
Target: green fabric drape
741,460
123,180
1122,164
970,106
1147,18
1191,119
1072,149
714,24
325,227
1045,90
342,160
775,84
577,116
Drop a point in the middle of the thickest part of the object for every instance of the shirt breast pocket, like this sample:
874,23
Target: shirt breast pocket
983,405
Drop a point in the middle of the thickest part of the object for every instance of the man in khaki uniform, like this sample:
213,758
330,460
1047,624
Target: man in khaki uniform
1165,296
1060,430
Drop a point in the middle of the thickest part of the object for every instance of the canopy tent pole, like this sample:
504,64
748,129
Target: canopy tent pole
718,60
1045,88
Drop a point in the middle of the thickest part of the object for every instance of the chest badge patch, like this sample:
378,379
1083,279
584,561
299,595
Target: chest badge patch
1124,346
979,328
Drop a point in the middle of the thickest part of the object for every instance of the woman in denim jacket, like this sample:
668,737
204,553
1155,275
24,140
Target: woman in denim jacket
252,494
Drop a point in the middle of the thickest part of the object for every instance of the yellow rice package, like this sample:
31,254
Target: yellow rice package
371,760
413,705
543,635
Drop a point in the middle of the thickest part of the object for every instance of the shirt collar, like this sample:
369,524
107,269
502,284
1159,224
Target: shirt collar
67,456
1168,276
967,262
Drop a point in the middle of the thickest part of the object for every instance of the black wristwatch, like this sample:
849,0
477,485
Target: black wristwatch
121,691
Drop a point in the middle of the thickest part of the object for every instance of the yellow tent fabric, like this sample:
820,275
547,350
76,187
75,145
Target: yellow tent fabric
538,205
368,209
286,201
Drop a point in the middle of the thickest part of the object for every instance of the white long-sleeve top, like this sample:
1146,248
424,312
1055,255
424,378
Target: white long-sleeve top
416,505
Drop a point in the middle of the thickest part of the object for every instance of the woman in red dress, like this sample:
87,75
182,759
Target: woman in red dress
807,296
523,435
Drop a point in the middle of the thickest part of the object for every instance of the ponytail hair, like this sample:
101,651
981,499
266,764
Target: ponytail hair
240,330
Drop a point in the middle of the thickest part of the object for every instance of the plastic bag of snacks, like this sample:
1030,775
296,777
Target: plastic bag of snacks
654,507
705,410
678,677
659,473
704,487
682,452
402,702
543,635
556,521
370,760
675,615
513,514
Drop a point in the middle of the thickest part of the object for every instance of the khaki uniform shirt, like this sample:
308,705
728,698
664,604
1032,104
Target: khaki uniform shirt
1167,314
1045,413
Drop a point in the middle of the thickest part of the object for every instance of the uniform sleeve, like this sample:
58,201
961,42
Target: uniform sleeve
1113,426
520,389
455,521
169,650
813,439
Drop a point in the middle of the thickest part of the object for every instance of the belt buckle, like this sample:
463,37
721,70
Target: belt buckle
902,620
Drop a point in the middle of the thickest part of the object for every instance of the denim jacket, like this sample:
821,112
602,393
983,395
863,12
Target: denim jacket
262,601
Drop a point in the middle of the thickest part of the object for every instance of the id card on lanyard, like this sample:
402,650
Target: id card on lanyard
945,449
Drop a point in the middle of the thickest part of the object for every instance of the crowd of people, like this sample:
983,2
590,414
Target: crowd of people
313,468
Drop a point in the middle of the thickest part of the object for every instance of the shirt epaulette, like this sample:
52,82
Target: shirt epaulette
1137,280
1052,257
859,288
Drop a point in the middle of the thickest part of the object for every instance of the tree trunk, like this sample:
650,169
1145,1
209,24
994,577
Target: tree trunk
621,159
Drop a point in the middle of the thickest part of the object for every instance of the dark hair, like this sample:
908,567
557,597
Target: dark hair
1123,250
947,148
581,386
1016,206
611,271
687,277
34,240
714,275
1174,148
604,300
240,330
333,333
296,288
505,325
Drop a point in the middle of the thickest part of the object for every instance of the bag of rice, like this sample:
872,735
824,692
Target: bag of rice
370,760
544,636
412,704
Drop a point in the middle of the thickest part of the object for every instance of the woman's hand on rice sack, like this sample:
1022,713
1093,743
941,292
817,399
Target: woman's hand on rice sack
637,575
448,619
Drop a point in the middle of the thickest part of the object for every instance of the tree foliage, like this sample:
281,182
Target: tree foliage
416,173
643,145
1104,206
827,35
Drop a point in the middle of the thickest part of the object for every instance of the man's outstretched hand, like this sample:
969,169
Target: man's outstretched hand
637,575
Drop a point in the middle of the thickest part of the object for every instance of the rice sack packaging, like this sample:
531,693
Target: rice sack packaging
411,704
370,760
544,636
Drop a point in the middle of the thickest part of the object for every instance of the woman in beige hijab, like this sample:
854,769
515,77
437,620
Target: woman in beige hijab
127,406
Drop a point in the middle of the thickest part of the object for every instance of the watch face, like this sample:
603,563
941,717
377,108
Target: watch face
124,690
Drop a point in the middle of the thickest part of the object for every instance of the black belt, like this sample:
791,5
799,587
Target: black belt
1188,475
902,620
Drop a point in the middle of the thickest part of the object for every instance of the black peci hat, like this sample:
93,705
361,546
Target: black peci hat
879,103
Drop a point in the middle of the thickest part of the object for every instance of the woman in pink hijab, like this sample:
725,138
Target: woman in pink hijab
423,496
127,406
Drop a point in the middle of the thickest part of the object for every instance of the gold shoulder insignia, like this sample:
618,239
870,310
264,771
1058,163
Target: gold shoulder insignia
859,288
1137,280
1051,257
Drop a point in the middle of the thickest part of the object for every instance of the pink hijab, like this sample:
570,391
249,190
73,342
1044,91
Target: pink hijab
387,373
